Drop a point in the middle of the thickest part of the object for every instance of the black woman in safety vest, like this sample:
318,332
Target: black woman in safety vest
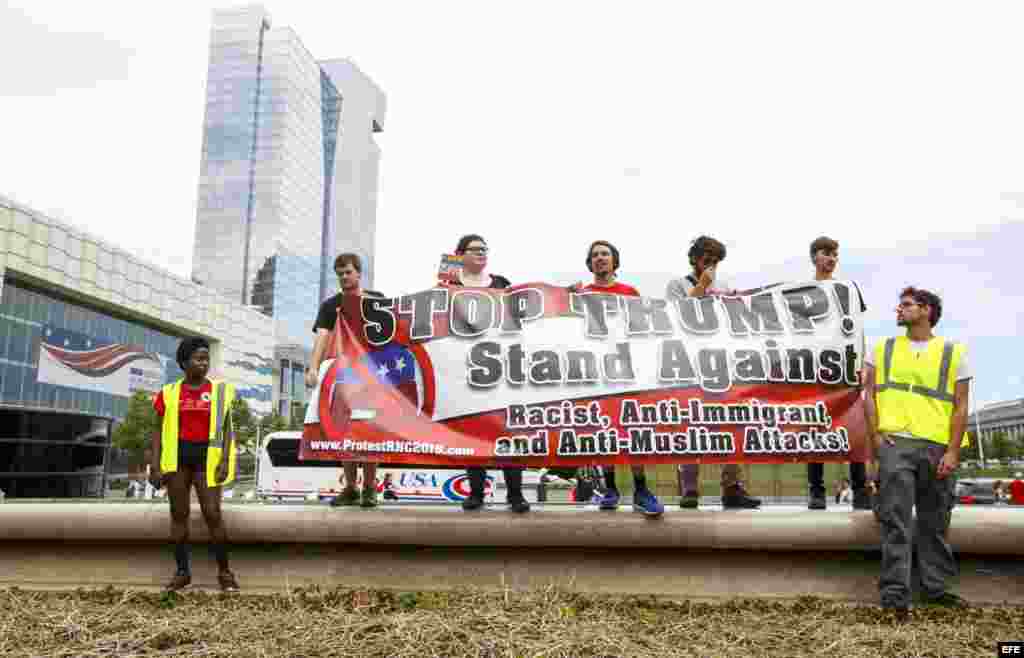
919,384
195,435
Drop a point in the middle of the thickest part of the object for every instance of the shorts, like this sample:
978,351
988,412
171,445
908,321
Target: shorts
191,454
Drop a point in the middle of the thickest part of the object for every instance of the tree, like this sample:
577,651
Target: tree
135,432
245,423
274,422
1001,448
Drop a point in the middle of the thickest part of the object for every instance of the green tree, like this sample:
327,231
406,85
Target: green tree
1001,448
135,432
298,416
274,422
245,423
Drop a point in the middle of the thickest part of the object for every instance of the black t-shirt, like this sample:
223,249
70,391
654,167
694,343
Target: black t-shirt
328,313
497,281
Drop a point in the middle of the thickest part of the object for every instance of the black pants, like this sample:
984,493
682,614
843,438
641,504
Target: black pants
513,480
816,477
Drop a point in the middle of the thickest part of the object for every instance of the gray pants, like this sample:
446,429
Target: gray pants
690,480
907,479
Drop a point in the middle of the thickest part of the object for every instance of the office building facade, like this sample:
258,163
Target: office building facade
289,171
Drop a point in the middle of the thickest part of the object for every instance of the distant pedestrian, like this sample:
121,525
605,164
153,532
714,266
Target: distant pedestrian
1017,489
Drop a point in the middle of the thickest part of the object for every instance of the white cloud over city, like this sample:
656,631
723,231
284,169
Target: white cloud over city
894,128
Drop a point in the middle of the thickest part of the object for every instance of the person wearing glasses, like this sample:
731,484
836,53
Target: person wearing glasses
825,256
473,249
916,411
603,262
349,268
705,254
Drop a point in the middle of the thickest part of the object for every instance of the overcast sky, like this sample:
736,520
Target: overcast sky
893,127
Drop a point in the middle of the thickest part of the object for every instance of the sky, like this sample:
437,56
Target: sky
893,127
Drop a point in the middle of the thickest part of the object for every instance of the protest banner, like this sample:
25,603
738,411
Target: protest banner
539,375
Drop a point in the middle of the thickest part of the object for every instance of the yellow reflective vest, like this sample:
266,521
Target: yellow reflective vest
221,429
914,393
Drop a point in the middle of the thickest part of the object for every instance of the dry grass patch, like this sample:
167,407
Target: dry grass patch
470,622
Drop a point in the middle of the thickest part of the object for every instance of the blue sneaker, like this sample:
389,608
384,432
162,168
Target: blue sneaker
646,502
610,500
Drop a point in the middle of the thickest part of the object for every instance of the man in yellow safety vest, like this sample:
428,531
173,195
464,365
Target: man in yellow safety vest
916,408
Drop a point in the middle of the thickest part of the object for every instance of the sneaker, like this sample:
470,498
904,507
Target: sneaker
518,504
369,498
946,600
690,500
817,502
181,580
609,501
861,499
646,502
227,581
347,498
473,501
736,497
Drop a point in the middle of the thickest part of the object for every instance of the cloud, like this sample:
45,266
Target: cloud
60,60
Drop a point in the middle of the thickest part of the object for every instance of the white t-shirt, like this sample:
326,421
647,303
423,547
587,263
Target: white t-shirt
963,370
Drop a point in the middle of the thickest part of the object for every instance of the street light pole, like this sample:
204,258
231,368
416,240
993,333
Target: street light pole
977,430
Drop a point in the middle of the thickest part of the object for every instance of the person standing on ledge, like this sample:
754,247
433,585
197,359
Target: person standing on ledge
825,256
916,407
195,447
603,262
349,268
705,254
473,249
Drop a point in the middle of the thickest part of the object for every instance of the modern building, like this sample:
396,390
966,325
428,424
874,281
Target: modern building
999,417
84,325
289,171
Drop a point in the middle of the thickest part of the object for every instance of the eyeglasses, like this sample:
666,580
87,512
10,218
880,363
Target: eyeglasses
477,250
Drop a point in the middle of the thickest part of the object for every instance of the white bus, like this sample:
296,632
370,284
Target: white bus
282,476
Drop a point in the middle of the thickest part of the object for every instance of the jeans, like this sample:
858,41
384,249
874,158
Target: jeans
513,480
690,477
907,475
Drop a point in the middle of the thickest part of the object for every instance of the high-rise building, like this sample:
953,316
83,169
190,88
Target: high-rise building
289,170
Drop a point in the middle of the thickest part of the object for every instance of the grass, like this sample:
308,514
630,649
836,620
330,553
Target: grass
549,622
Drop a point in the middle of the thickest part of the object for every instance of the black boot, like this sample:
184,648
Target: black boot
514,486
475,499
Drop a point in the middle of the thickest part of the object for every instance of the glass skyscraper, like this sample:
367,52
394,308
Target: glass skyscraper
289,170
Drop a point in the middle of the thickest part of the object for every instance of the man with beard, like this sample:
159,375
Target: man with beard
916,408
349,268
825,256
705,254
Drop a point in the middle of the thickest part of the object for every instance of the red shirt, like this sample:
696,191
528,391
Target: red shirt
193,412
1017,492
615,289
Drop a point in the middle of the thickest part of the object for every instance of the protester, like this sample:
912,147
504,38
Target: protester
195,447
845,493
473,249
603,262
916,408
705,254
349,268
825,256
1017,489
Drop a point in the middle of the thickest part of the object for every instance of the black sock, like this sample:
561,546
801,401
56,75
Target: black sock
220,553
609,477
639,481
181,557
